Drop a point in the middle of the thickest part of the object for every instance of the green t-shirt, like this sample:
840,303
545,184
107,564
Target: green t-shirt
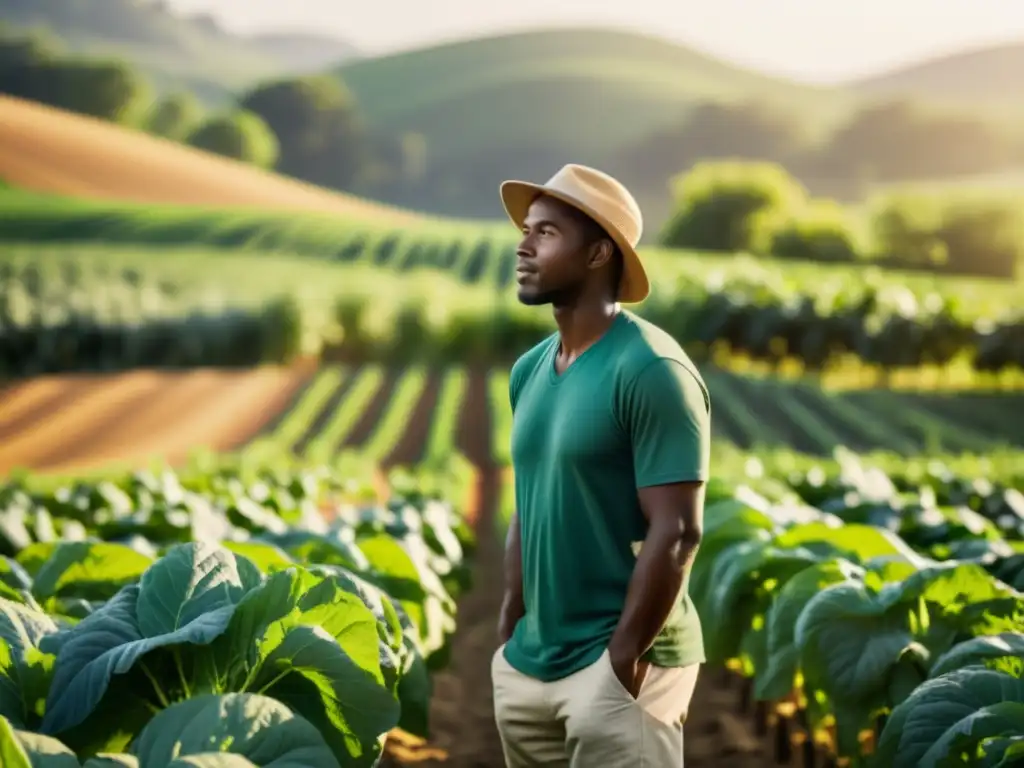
631,411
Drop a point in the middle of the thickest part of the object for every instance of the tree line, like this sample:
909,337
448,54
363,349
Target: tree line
758,207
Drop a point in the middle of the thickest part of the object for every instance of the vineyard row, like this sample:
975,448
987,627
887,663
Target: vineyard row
68,311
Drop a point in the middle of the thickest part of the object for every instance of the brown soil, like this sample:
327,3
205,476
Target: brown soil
95,420
409,448
366,423
50,150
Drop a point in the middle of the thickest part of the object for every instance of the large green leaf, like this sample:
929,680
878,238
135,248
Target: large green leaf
925,729
402,570
87,570
264,731
849,640
25,672
982,651
742,583
22,749
186,597
305,640
777,678
858,543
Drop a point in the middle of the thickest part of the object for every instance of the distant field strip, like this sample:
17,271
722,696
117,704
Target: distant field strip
748,412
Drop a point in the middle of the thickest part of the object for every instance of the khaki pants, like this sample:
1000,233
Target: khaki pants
589,720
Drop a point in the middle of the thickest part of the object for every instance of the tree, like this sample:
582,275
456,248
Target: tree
109,90
949,232
239,135
731,206
175,117
822,231
317,127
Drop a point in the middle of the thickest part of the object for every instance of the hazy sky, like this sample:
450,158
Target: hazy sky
817,40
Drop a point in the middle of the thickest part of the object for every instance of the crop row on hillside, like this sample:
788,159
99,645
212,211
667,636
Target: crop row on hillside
160,617
360,408
36,222
420,415
75,310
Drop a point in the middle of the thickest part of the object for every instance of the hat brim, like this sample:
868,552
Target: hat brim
517,196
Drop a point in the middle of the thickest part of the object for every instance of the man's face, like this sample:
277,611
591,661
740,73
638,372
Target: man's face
551,264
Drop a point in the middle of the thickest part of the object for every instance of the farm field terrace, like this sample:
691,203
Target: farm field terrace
88,307
33,220
420,414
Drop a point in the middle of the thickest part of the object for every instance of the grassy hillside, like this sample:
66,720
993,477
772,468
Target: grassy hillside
987,77
173,51
579,93
51,151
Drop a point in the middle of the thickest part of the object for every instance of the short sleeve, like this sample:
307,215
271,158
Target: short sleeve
668,417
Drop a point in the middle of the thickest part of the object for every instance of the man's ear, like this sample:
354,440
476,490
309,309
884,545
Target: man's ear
600,253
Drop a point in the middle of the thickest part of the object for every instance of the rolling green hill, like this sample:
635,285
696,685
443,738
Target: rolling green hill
585,91
522,104
173,51
987,77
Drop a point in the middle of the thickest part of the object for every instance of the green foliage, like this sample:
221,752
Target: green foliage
107,90
175,116
730,206
434,295
857,593
223,596
240,135
170,48
960,234
315,122
821,231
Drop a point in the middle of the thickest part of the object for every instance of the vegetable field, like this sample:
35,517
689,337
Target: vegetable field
84,556
309,570
304,637
73,308
878,616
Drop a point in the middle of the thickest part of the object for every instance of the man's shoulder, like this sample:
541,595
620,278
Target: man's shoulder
527,361
648,346
526,365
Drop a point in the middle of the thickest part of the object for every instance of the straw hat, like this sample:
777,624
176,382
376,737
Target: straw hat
602,198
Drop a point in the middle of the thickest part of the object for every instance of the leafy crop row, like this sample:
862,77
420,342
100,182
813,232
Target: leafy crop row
890,611
130,636
163,309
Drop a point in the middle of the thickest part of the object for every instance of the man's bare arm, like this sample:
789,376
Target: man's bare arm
512,606
674,514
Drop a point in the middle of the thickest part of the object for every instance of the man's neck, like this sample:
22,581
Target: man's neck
583,323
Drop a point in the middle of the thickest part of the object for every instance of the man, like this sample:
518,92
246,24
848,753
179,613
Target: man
610,446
